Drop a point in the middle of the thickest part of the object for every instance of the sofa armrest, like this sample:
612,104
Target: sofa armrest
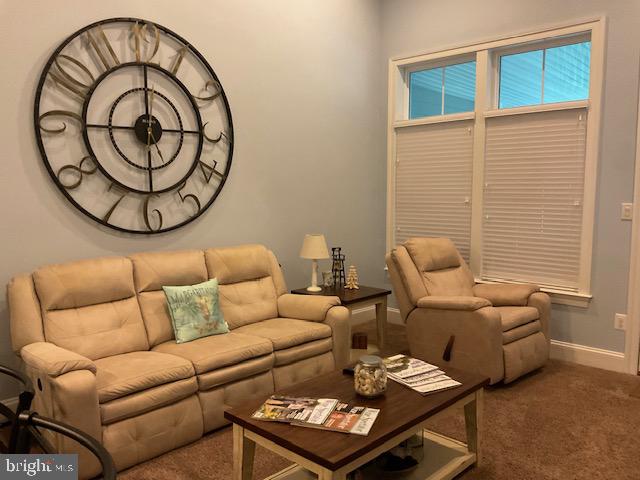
477,339
542,302
306,307
67,392
338,319
505,294
453,303
54,361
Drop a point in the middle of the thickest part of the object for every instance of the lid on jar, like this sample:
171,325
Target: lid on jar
372,360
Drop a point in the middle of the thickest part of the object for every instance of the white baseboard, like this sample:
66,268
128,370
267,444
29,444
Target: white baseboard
589,356
367,314
570,352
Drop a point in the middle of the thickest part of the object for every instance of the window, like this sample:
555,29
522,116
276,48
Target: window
433,182
442,90
551,75
513,188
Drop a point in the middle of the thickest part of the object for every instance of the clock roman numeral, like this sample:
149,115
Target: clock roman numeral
178,60
114,206
217,90
79,171
102,38
147,215
191,196
209,171
140,32
65,77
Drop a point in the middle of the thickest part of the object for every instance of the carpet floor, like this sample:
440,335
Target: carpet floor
565,421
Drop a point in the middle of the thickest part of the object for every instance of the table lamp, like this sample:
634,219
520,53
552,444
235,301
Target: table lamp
314,247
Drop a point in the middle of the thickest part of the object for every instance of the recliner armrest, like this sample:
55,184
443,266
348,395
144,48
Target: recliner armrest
505,294
53,360
306,307
453,303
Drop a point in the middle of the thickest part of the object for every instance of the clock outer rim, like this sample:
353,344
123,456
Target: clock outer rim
43,154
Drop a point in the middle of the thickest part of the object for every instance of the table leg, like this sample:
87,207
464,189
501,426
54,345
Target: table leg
381,322
243,450
473,415
329,475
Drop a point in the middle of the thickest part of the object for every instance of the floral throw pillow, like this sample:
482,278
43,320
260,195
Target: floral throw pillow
195,311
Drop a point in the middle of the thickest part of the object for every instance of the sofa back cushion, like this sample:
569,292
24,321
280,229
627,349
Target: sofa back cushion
151,272
90,307
443,270
247,290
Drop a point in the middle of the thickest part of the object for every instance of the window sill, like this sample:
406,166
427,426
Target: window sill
545,107
452,117
559,297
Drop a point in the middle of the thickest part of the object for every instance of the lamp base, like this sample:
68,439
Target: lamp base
313,288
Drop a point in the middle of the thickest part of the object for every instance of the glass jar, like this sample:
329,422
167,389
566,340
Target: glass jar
370,376
327,278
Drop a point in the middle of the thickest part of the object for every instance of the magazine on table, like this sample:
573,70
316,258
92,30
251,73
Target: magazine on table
418,375
280,408
322,413
349,419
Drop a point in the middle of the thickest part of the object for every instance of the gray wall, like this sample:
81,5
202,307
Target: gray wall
415,26
303,79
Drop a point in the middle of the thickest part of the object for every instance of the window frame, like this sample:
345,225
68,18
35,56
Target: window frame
441,63
486,55
498,53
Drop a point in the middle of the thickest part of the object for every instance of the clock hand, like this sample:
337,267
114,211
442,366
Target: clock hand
153,91
149,112
155,144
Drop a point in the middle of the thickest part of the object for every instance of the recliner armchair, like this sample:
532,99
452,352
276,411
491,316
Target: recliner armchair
499,330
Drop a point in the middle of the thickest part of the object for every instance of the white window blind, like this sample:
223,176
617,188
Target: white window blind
434,173
533,193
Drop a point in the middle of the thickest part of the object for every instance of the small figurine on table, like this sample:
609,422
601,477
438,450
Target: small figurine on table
352,279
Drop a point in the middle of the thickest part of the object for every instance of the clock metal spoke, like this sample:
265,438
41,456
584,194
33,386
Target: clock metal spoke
146,89
150,170
131,127
177,130
114,127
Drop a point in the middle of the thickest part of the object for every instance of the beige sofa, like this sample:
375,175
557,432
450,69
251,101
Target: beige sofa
97,341
499,330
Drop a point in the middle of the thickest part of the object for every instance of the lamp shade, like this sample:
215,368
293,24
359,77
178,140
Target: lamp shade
314,247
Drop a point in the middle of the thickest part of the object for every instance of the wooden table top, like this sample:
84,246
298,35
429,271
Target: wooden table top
347,295
400,409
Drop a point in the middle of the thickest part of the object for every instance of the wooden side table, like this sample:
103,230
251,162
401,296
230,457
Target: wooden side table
359,298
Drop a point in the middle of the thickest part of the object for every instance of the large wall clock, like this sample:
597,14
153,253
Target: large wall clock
133,125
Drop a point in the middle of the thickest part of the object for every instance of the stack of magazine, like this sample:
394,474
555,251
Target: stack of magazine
420,376
323,413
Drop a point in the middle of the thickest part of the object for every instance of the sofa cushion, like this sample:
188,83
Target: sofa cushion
300,352
238,264
233,373
147,400
152,271
431,254
211,353
513,317
85,282
97,331
521,332
122,375
248,302
287,332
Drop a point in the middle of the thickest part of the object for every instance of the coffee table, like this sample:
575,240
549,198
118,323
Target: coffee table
332,455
